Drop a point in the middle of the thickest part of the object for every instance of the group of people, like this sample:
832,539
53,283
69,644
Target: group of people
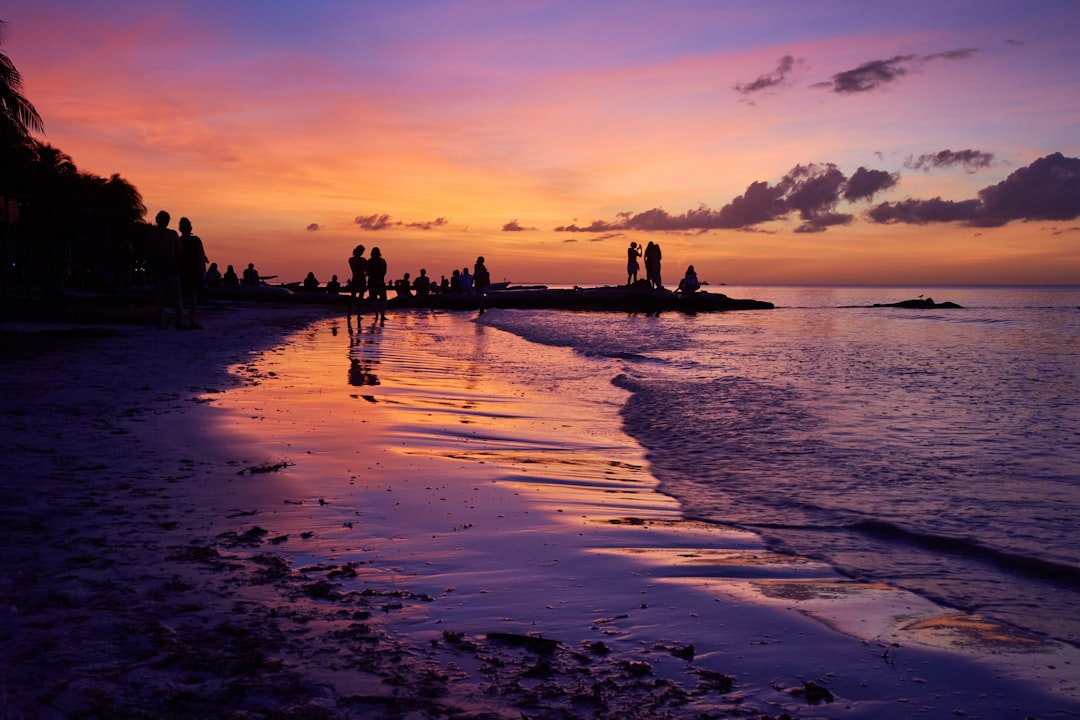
460,281
311,284
177,266
651,255
369,275
215,279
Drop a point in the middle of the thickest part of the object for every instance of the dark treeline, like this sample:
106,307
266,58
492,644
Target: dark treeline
59,226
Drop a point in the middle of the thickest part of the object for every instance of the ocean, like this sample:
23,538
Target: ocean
936,451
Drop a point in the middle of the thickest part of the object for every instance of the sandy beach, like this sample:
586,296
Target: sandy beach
286,515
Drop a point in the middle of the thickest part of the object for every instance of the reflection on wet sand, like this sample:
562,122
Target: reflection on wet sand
522,502
364,358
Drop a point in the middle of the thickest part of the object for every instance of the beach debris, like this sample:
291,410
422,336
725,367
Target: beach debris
348,570
533,643
635,668
812,692
274,567
253,536
322,590
715,681
685,652
605,621
195,553
628,521
266,468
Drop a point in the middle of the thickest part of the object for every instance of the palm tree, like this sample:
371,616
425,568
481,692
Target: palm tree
15,109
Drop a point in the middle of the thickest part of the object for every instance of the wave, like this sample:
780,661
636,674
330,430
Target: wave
616,355
1032,567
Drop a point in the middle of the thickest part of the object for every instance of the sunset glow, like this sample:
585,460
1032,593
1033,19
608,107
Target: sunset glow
548,135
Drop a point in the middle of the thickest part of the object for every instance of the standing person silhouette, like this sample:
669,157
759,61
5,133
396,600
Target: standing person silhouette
632,254
192,268
481,276
251,276
652,264
422,283
358,264
376,273
163,257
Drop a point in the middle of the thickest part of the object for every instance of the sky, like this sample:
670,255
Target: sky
828,142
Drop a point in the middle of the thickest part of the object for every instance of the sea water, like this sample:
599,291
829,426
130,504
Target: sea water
936,450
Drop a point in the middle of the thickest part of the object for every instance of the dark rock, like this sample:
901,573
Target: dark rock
920,303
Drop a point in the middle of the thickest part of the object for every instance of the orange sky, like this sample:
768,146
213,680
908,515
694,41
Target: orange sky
276,127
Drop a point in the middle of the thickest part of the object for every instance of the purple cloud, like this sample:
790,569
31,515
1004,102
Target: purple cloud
1047,189
864,184
823,221
879,73
922,212
376,222
777,77
515,226
869,75
813,191
313,227
428,225
373,222
972,160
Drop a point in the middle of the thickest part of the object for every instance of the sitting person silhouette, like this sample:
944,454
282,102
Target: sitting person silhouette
689,283
230,279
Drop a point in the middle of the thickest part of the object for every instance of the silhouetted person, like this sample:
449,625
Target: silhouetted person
689,283
652,264
481,276
376,274
230,279
213,276
466,280
403,287
192,268
632,254
251,276
455,281
163,257
311,282
358,265
422,283
333,287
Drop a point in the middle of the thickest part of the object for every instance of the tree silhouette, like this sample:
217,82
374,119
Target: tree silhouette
17,110
58,225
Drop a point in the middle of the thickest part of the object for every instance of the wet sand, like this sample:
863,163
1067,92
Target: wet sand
356,524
